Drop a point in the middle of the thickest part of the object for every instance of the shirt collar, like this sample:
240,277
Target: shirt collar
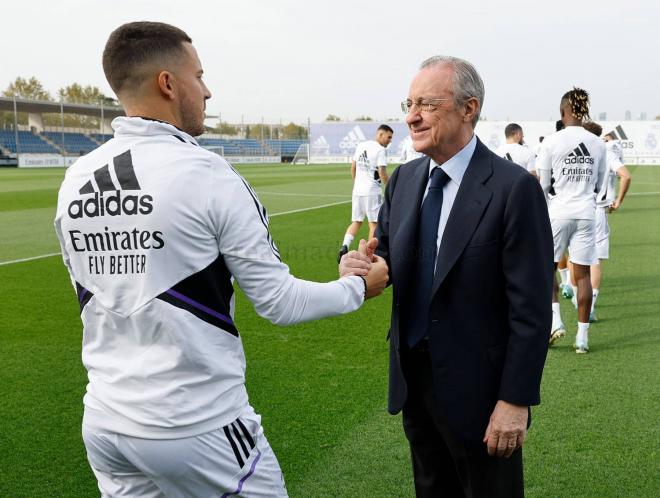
455,167
135,125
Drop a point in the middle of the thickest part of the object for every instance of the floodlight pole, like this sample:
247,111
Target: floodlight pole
62,123
16,130
101,123
309,140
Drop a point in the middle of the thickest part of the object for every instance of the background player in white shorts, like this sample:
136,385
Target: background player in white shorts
515,151
369,172
607,201
154,229
571,165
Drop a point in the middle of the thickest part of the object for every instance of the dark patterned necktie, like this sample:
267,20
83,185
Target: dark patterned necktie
417,321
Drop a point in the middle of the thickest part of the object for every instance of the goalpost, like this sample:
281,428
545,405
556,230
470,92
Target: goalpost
302,155
218,149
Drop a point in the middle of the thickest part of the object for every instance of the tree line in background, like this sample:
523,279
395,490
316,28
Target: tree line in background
75,93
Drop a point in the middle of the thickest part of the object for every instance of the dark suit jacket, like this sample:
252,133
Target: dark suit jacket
490,302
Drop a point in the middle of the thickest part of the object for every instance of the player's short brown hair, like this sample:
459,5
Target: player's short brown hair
511,129
135,46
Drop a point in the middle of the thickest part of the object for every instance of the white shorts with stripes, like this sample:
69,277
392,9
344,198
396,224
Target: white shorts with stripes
366,206
235,460
579,237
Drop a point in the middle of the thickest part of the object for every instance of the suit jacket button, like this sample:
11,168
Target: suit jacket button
435,321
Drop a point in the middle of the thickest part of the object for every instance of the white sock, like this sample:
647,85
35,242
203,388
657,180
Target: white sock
556,316
564,274
582,334
593,300
348,238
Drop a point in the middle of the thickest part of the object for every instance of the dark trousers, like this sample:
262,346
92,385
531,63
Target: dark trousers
445,465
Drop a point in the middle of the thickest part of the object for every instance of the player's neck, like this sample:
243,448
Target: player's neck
147,109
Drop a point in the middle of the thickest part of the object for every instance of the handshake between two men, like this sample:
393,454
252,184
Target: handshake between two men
366,264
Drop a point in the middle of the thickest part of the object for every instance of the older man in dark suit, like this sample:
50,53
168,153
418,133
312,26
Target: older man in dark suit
467,238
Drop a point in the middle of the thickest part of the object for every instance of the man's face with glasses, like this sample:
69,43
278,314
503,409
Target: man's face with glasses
436,124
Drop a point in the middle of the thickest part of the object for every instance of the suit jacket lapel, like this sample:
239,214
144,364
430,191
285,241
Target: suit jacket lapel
405,221
469,205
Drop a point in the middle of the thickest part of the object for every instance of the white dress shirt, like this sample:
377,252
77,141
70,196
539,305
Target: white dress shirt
455,168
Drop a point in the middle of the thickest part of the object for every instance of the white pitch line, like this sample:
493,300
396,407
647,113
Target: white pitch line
2,263
301,195
308,209
30,259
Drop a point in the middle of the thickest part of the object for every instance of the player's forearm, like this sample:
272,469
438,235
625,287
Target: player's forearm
353,170
284,300
624,185
302,301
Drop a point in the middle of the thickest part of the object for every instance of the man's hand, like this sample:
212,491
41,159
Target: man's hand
368,248
378,276
358,262
506,430
365,263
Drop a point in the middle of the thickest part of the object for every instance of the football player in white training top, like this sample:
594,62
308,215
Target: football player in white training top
513,149
571,166
369,172
154,229
607,201
408,152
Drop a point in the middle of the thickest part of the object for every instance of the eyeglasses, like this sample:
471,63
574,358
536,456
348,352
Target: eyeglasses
426,105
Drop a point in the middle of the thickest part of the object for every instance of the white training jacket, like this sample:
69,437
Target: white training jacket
153,230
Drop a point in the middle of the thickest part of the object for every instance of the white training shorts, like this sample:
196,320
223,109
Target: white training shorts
235,460
366,206
602,234
579,237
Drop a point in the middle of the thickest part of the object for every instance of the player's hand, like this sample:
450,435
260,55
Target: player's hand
506,430
377,277
615,205
354,263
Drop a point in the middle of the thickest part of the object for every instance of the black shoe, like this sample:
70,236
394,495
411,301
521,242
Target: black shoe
342,251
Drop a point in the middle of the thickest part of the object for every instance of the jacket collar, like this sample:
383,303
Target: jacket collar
137,125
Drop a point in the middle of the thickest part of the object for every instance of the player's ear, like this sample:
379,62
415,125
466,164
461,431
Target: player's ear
165,81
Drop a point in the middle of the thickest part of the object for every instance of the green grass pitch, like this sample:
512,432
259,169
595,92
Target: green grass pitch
321,387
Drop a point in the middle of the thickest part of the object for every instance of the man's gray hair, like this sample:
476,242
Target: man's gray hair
467,82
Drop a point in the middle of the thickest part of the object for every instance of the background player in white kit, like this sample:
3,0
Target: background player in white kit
571,165
515,151
154,229
369,172
607,201
408,152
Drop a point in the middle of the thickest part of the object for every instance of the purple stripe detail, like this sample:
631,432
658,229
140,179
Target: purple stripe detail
199,306
82,295
245,477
